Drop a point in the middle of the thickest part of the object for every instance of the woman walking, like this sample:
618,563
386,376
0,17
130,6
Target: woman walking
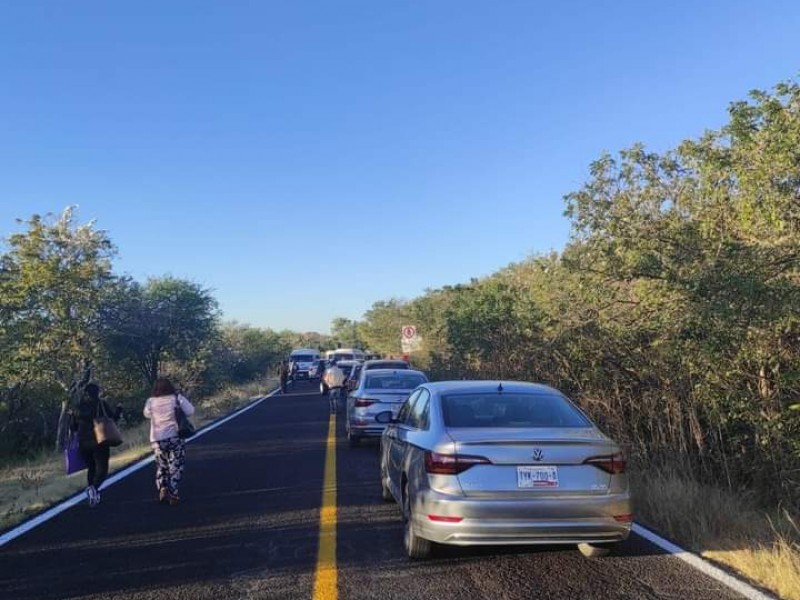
168,447
95,455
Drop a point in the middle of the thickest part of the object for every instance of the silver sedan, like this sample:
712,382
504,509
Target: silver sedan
378,391
489,462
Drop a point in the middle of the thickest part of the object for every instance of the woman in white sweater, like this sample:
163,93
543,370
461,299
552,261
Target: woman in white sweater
169,449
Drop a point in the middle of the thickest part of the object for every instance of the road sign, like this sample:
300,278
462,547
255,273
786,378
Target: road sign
409,340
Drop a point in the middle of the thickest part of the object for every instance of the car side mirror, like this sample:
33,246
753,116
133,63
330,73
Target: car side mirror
385,417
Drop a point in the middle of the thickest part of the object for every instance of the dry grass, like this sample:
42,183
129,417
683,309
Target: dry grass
723,526
29,487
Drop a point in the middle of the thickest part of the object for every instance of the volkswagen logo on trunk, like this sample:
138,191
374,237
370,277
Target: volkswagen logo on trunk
538,454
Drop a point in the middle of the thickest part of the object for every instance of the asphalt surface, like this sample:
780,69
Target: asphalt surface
247,528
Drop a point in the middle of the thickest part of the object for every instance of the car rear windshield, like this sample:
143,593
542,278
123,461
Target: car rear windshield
302,358
510,410
343,356
394,381
388,365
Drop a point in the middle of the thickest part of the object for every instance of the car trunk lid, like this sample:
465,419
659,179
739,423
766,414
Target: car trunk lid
532,462
393,400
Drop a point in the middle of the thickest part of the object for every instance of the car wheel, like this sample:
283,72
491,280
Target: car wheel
595,550
416,547
352,438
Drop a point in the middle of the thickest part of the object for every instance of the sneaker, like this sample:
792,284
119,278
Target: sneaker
163,495
92,496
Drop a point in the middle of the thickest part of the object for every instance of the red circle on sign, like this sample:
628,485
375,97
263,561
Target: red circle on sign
409,332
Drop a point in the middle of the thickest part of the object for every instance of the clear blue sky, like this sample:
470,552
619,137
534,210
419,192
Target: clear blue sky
305,159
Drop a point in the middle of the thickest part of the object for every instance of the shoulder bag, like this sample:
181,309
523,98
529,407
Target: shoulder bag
105,428
185,427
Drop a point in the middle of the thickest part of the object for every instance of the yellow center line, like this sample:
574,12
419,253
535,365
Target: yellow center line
326,578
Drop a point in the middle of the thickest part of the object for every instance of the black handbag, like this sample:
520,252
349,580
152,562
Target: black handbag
185,427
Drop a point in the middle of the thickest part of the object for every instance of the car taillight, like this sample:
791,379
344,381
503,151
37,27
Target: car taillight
451,464
626,518
444,519
363,402
614,464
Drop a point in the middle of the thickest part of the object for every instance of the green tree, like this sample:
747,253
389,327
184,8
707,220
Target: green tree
705,242
344,332
165,319
672,314
245,353
53,279
381,326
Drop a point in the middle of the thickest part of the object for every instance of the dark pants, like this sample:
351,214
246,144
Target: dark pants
283,384
96,459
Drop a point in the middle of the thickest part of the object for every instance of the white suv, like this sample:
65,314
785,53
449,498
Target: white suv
303,359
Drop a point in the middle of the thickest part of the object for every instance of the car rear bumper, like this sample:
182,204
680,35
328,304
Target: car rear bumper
566,520
370,430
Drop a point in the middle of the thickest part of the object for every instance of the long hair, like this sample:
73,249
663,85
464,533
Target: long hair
163,387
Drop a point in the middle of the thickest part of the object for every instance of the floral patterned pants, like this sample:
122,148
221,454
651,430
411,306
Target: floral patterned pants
170,457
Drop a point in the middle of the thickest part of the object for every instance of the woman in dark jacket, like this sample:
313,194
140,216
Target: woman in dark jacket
94,455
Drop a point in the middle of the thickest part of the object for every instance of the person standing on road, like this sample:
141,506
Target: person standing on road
96,456
334,380
168,448
283,374
320,369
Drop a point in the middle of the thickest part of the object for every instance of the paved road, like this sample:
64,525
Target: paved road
248,528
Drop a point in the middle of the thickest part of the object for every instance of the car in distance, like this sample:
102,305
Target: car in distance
500,463
302,359
352,379
387,363
345,354
317,369
378,391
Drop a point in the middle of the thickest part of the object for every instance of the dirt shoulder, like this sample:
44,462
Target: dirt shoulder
726,527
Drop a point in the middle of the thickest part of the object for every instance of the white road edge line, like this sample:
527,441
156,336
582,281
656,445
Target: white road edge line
56,510
701,564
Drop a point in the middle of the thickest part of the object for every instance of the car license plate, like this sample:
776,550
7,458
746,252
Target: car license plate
537,477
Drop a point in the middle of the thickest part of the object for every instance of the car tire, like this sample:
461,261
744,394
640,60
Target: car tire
416,547
596,550
352,439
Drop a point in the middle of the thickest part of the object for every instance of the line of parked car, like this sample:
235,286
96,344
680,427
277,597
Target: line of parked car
488,462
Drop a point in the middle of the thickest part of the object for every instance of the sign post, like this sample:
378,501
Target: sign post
409,339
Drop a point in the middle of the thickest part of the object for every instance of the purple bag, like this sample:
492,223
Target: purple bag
72,456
